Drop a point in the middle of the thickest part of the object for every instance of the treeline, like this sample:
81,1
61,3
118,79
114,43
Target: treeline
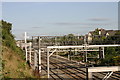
7,37
112,57
103,39
69,39
112,54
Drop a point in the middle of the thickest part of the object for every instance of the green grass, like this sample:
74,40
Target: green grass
15,67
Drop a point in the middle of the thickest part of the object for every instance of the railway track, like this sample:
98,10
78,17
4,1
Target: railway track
114,76
70,70
78,70
67,73
62,68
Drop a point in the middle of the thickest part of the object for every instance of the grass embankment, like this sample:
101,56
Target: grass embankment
13,60
14,66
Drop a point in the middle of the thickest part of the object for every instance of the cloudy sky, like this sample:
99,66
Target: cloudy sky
59,18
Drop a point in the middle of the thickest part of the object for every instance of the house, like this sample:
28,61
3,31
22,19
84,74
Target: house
100,32
89,37
110,32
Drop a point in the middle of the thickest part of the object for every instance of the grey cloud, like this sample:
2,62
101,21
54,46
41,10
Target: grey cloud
88,24
37,27
67,23
99,19
95,24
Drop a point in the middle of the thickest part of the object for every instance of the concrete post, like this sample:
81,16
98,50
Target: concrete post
26,52
25,37
39,60
100,53
39,54
76,51
68,56
85,50
26,45
30,52
32,42
85,42
48,62
103,53
35,60
86,73
86,54
90,76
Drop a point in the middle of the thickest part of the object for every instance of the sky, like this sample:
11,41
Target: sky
59,18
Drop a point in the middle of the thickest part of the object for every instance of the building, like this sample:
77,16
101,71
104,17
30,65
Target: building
100,32
22,44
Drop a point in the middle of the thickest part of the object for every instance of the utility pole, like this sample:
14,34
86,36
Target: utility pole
25,45
39,60
32,41
30,52
48,64
85,43
69,54
25,37
35,60
103,53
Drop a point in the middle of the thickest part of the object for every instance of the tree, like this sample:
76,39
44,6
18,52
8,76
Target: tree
96,32
7,37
